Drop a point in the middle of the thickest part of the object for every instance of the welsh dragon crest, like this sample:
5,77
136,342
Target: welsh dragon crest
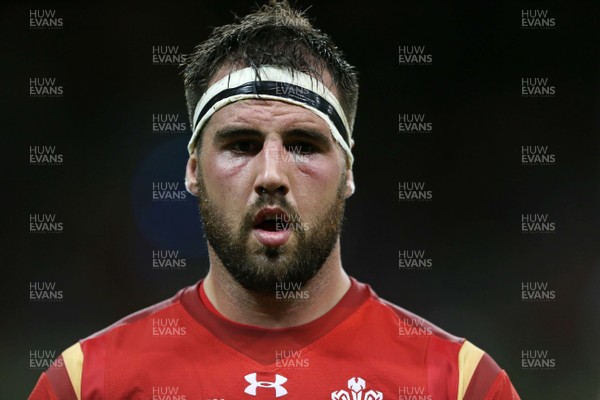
357,387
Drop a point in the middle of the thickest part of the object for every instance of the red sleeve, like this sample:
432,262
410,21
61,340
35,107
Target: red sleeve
42,390
490,382
54,384
502,389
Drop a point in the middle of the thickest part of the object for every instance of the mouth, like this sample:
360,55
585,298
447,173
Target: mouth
271,219
271,227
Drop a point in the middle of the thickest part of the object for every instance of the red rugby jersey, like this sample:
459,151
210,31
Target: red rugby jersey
363,349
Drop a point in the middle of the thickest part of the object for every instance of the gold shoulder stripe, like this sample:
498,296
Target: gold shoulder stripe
468,359
73,357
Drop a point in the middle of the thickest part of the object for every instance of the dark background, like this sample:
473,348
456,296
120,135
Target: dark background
471,161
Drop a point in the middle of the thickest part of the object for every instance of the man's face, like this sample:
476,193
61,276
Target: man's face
271,183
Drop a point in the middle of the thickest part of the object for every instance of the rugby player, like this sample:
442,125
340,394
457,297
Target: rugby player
272,103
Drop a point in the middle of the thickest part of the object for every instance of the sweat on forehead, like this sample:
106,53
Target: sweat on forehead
274,83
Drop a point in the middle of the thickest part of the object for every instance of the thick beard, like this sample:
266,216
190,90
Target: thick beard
259,268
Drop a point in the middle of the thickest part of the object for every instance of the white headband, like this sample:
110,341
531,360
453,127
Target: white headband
279,84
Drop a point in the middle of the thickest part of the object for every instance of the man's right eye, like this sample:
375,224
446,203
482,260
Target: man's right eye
244,146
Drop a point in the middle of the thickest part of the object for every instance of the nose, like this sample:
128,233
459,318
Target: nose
271,170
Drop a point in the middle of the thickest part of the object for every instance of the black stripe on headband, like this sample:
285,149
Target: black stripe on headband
284,90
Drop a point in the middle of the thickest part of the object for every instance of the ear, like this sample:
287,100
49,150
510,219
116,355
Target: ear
191,176
350,186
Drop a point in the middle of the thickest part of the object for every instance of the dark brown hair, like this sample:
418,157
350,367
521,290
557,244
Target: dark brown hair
276,35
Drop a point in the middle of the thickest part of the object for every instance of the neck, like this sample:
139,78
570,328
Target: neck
238,304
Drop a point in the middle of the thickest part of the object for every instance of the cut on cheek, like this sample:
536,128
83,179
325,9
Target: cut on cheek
326,168
318,176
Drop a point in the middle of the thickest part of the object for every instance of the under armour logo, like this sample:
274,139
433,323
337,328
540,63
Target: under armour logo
254,384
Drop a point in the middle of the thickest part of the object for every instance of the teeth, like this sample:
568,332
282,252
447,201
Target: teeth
270,218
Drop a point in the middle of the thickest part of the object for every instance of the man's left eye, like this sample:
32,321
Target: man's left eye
301,148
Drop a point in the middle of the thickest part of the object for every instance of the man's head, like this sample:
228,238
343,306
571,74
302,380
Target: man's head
270,176
275,35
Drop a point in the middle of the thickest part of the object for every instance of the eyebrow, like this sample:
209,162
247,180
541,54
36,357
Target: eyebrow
310,134
231,133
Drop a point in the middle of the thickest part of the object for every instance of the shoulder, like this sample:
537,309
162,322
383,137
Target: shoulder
407,324
143,315
64,378
454,366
